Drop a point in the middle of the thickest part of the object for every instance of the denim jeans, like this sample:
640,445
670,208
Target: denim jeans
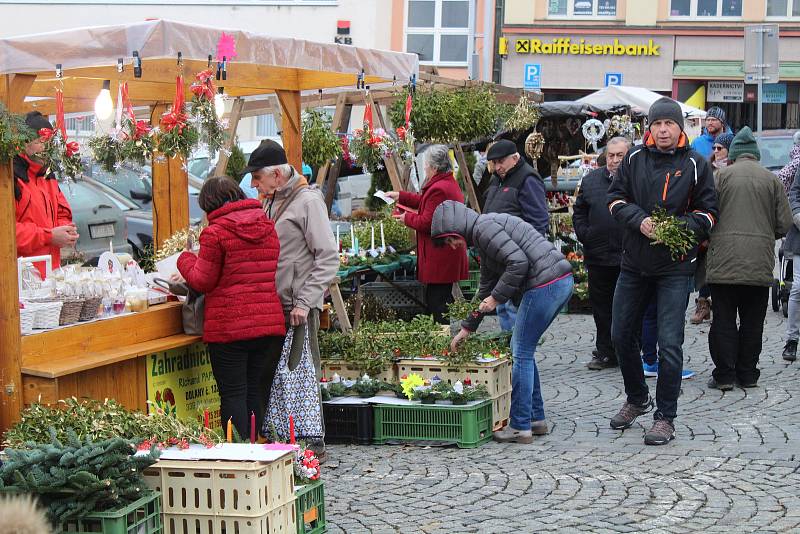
793,322
506,315
631,297
650,333
539,307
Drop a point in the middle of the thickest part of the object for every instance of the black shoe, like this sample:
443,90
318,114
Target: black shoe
713,384
748,384
661,433
629,412
602,362
790,350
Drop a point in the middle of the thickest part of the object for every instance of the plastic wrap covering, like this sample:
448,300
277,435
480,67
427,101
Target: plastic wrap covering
102,45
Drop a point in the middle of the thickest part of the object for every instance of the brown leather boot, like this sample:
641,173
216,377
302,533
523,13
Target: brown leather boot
702,311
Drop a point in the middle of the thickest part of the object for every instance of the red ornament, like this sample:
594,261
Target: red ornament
467,381
45,134
72,148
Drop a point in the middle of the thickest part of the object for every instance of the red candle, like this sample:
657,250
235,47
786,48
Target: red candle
205,418
252,427
291,430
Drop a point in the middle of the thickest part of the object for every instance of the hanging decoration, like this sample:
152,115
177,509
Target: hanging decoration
60,155
525,115
534,145
593,131
620,125
226,47
176,136
14,134
320,143
204,114
129,140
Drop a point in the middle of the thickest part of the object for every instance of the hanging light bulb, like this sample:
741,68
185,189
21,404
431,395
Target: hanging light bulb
219,103
103,105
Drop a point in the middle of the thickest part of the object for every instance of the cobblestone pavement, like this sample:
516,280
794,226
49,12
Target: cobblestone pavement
733,467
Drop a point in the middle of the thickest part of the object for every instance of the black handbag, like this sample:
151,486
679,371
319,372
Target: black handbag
193,310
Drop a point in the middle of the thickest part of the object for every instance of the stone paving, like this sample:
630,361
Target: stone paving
733,467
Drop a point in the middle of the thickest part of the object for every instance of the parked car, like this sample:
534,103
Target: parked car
775,146
99,218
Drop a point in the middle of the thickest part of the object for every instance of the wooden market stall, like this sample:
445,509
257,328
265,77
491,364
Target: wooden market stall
109,358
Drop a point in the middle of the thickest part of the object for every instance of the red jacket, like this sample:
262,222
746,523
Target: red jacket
40,207
441,265
235,269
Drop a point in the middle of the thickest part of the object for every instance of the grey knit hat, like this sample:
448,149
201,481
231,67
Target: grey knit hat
665,108
716,112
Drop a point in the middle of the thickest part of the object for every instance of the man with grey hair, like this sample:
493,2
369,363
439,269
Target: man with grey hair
438,268
601,237
309,254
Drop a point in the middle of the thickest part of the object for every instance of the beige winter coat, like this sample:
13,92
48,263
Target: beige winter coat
308,258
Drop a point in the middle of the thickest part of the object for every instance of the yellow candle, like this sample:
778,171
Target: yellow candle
230,430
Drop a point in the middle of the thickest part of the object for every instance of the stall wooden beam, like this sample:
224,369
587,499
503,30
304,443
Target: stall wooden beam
162,227
467,174
178,194
230,139
393,165
291,127
12,91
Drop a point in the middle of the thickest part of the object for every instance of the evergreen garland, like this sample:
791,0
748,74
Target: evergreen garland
14,134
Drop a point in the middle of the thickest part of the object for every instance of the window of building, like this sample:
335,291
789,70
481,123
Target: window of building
438,31
705,8
582,8
783,8
79,125
265,126
186,2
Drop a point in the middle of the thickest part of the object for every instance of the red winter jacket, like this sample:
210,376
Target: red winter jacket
235,269
441,265
40,207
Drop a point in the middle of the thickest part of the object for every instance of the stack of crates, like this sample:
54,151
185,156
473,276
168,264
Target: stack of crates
226,497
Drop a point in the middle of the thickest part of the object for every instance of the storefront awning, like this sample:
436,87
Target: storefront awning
715,70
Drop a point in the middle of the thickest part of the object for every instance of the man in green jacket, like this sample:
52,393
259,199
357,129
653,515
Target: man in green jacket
753,212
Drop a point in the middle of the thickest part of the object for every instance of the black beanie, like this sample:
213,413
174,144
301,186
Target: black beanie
36,121
665,108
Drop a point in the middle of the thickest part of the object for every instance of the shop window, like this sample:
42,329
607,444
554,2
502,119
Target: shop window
705,8
582,8
438,31
266,126
783,8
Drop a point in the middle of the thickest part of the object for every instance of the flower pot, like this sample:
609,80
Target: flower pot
428,400
458,401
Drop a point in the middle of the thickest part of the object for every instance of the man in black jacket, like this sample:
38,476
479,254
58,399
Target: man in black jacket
663,173
515,189
601,237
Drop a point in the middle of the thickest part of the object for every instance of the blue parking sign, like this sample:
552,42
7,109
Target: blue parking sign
532,76
613,78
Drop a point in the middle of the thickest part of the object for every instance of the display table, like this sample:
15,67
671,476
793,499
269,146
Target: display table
100,359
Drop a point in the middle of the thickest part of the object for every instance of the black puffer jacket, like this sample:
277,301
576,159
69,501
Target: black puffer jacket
514,259
598,232
522,194
680,181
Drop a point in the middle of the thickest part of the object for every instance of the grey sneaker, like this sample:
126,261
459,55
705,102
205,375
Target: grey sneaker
629,412
512,435
539,428
661,433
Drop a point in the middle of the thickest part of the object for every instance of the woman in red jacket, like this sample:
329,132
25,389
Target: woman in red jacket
437,267
235,270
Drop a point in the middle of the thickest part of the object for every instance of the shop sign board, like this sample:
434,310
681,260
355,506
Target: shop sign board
774,93
566,46
725,92
761,44
533,76
613,78
180,382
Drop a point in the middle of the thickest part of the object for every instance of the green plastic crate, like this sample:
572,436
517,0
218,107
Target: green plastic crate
470,285
466,426
310,504
139,517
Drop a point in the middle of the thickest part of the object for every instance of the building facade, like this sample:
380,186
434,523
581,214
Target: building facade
681,48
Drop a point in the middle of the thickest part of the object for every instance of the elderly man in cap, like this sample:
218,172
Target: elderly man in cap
516,189
714,125
663,173
309,256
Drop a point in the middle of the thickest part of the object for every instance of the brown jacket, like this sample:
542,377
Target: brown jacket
309,257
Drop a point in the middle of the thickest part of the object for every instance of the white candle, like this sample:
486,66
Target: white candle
383,243
352,238
372,231
337,238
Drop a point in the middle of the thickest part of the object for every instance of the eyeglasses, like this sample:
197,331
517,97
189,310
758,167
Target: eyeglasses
719,148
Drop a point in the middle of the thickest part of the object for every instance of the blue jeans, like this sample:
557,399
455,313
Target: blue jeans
506,315
539,307
631,297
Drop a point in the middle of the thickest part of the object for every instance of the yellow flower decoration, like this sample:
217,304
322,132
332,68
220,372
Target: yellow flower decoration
409,383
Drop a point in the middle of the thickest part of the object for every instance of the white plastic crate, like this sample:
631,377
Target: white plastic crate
281,520
496,375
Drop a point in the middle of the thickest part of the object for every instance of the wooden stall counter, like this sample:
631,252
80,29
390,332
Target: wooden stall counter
103,359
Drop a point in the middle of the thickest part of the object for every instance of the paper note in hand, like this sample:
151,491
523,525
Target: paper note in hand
383,196
168,266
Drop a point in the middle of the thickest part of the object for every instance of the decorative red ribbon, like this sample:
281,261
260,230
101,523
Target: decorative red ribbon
203,87
126,101
176,118
408,110
368,115
60,114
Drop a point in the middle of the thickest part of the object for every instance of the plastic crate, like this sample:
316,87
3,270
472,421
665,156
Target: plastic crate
348,422
310,505
223,489
350,372
470,285
388,295
501,409
496,375
467,426
281,520
140,517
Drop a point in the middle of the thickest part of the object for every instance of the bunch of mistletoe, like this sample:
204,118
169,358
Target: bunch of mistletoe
320,142
211,130
61,156
14,134
177,136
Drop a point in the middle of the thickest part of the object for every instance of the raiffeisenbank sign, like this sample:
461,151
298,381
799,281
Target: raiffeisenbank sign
583,47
